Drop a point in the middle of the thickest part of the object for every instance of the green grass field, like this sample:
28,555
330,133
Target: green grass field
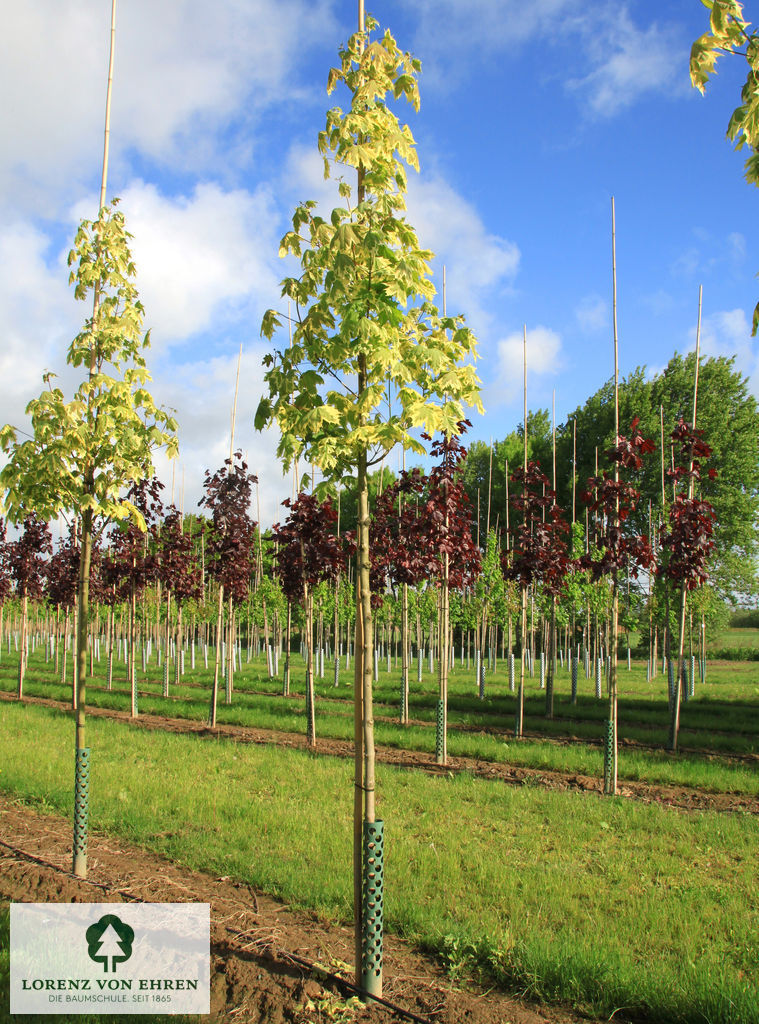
598,903
718,723
601,903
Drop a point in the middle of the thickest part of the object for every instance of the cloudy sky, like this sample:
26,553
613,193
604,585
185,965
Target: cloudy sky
533,116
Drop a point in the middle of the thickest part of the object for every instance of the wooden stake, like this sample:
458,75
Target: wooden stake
107,133
234,410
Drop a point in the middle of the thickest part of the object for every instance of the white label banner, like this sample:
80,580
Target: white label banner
110,958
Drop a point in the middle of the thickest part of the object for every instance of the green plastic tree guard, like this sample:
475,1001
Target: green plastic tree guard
371,908
574,679
81,810
608,755
440,730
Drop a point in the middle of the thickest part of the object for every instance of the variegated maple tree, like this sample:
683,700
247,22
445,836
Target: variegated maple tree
370,359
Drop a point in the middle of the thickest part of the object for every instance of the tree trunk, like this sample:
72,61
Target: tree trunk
81,777
215,687
286,678
404,656
674,725
22,647
133,649
611,757
519,724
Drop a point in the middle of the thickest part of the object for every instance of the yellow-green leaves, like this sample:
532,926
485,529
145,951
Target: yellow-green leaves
86,452
729,32
364,365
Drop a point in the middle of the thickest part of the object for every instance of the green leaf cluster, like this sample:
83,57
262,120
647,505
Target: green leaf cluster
86,452
366,365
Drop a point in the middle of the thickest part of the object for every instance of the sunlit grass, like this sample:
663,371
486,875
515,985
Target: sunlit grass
602,903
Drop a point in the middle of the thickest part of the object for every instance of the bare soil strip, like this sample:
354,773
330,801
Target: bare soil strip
257,943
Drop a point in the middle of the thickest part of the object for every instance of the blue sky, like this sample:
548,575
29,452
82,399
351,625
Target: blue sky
533,115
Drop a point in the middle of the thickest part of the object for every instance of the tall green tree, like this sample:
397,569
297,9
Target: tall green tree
729,32
367,365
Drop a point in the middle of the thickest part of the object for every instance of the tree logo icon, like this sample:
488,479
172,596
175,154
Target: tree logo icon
109,939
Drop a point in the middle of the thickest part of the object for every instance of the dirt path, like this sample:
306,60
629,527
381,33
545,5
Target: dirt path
258,944
681,797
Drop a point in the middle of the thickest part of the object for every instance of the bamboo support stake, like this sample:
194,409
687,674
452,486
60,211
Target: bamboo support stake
610,775
81,775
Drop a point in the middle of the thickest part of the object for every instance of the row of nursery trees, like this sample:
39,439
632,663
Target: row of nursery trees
367,362
212,578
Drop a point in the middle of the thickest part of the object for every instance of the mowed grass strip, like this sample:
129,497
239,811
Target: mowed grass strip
569,897
334,720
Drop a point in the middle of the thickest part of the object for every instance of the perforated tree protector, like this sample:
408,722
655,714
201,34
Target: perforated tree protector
575,666
81,800
608,756
440,730
372,885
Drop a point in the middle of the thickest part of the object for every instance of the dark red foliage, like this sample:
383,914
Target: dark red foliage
177,567
396,535
687,544
629,452
408,545
25,557
308,551
132,563
540,553
62,573
232,541
613,501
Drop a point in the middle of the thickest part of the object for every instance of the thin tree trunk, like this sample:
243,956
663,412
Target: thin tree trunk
22,647
81,806
215,687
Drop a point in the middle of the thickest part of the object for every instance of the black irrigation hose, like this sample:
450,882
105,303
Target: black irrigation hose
322,972
313,968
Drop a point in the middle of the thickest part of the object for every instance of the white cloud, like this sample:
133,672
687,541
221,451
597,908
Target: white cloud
453,229
728,333
38,316
202,393
629,61
183,70
544,359
454,34
592,313
202,259
710,252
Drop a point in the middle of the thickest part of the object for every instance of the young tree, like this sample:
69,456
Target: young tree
86,452
452,559
27,568
539,554
308,553
179,572
397,555
135,557
614,550
366,366
687,542
230,548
